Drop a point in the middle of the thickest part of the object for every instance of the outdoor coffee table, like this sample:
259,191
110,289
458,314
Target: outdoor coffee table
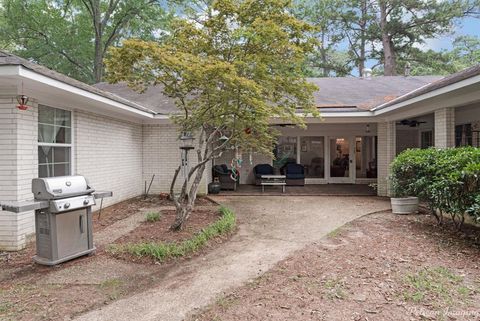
273,180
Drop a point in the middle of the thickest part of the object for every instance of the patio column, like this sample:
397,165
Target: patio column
386,154
445,127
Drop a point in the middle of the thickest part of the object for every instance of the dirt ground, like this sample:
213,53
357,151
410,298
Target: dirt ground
29,291
378,267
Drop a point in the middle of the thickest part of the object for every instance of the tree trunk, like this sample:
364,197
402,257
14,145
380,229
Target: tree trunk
389,63
98,60
363,30
98,54
323,54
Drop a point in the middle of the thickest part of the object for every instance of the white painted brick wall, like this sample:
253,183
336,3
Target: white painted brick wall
161,156
18,165
445,127
108,152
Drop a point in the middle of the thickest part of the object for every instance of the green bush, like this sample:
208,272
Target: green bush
153,217
448,180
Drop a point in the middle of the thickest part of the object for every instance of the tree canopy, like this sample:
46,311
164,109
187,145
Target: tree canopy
229,71
72,37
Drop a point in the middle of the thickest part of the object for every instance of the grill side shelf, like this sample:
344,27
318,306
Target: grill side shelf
24,206
102,194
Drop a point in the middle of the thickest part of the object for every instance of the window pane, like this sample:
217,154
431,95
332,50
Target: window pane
46,133
62,117
339,157
365,157
45,170
61,154
312,151
285,151
45,154
61,169
46,115
63,135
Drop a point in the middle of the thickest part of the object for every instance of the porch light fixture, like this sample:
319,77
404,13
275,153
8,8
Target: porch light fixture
186,144
186,141
367,128
22,102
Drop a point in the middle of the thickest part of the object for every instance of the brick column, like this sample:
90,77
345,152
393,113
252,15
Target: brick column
386,153
445,127
18,165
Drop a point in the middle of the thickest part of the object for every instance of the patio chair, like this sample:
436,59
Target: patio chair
262,169
295,175
224,177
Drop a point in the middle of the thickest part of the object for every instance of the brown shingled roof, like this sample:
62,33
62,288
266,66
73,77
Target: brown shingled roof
7,59
449,80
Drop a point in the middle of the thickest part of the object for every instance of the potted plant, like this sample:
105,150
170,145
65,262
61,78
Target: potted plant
403,182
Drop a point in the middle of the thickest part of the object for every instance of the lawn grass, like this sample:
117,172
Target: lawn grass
438,284
163,251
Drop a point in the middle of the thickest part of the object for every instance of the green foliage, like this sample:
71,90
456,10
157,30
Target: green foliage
448,180
231,69
465,53
112,288
61,35
165,251
327,60
153,217
438,284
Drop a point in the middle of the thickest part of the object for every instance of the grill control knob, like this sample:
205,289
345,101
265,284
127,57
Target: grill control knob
66,205
85,202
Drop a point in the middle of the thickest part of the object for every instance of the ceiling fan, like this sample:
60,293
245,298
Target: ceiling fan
411,123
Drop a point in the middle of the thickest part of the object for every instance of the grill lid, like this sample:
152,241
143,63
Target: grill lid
60,187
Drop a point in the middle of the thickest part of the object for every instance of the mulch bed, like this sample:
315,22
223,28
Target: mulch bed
23,298
159,231
122,210
107,217
367,270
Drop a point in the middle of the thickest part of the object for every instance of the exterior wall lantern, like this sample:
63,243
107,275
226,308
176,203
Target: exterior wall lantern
22,102
186,144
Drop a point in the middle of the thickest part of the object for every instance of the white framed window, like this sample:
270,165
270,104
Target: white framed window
54,142
426,139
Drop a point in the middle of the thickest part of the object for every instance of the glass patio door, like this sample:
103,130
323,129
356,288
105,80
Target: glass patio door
341,164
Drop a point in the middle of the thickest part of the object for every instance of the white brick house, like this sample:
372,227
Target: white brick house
118,139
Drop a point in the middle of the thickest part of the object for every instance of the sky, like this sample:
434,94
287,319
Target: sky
469,26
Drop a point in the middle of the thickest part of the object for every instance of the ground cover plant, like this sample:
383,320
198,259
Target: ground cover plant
162,251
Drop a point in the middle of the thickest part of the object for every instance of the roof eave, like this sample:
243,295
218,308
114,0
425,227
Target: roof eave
17,70
392,106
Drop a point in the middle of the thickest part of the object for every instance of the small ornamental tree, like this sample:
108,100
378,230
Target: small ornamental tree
229,71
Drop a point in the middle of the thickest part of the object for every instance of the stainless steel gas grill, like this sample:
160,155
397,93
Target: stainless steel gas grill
63,217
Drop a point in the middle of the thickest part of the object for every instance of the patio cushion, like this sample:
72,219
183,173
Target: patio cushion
263,169
294,169
295,176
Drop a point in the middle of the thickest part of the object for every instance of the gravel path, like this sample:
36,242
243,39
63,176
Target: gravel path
270,229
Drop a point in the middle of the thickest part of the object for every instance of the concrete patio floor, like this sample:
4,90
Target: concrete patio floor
307,190
270,228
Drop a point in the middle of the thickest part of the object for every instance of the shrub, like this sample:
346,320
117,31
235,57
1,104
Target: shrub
153,217
448,180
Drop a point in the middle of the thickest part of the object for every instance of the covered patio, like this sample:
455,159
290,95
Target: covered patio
307,190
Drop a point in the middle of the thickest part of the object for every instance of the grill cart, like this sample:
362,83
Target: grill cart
63,217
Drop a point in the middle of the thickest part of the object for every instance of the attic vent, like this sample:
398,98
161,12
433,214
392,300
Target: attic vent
367,73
